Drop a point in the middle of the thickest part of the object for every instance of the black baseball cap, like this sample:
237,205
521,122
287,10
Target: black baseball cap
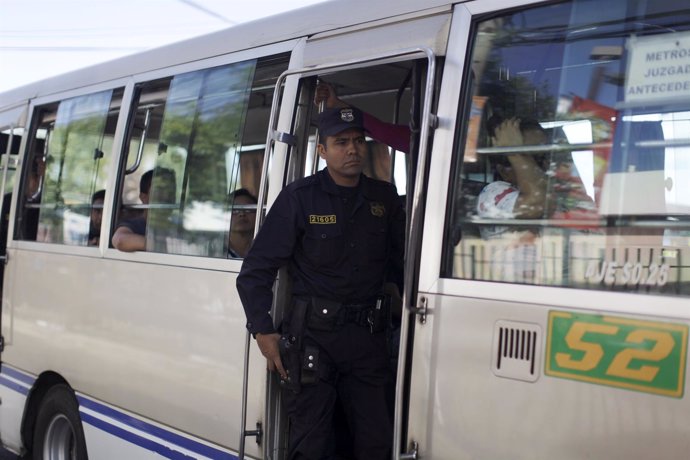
334,121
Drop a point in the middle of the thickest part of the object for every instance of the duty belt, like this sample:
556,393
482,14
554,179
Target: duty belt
359,314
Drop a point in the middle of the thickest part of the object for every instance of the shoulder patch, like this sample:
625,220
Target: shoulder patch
377,208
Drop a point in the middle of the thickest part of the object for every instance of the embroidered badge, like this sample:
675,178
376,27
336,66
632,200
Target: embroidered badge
314,219
347,115
377,209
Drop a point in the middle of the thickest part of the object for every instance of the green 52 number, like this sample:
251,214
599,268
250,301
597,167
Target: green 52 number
640,355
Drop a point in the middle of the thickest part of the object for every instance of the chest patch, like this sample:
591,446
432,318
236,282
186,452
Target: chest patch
377,209
315,219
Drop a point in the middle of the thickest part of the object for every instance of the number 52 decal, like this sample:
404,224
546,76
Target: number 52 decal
639,355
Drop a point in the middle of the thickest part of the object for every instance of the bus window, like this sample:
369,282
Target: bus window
200,136
384,93
66,166
574,167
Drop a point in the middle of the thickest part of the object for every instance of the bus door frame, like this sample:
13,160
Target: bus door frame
273,414
12,119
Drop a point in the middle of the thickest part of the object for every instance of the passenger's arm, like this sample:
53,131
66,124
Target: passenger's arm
528,176
396,136
531,181
124,239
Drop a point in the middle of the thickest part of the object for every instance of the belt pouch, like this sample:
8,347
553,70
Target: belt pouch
323,314
310,364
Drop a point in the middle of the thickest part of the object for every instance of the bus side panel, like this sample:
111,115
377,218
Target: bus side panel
158,340
13,394
115,434
461,410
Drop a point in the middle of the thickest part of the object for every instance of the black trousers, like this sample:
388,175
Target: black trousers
354,367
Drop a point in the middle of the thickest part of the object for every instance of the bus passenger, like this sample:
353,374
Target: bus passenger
522,192
242,223
32,195
341,236
97,201
130,234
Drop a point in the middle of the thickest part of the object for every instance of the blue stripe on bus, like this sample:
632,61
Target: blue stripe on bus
173,438
17,375
135,439
14,386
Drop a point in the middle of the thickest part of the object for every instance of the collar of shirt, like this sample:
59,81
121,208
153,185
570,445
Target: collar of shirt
329,186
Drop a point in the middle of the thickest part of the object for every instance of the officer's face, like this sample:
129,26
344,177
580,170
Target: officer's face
344,155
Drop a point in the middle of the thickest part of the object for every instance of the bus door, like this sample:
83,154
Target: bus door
12,123
554,313
388,71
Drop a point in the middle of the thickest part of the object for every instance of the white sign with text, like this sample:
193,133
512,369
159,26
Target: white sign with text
658,68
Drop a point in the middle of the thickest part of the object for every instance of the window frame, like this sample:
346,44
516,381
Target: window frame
191,261
22,172
469,15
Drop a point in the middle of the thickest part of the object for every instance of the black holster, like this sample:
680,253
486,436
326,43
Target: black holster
289,355
379,318
300,361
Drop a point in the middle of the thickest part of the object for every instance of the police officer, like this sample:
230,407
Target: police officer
341,236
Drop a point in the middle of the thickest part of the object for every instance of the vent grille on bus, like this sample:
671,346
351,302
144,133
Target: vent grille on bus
516,350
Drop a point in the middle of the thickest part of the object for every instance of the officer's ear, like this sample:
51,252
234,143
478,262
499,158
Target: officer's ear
321,149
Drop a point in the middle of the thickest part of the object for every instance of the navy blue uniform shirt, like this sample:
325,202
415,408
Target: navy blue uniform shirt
338,243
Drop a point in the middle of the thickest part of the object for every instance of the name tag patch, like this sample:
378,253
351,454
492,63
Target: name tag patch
314,219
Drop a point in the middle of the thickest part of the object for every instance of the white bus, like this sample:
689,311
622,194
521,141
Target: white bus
557,332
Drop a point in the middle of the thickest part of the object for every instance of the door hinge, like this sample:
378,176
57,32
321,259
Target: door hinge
259,433
421,310
285,138
412,453
2,343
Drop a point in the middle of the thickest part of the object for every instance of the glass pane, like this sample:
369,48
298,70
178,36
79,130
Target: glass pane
68,165
201,131
194,152
575,166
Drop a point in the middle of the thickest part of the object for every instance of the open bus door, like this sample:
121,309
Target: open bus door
393,81
12,123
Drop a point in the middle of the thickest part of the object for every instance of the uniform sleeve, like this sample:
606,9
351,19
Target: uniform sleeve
272,249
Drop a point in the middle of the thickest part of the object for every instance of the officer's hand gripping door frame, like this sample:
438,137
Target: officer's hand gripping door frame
415,219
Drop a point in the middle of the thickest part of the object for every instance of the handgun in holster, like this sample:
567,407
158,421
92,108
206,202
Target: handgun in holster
290,356
300,362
